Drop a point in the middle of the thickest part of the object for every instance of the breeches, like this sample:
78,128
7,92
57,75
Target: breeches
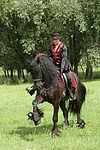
68,75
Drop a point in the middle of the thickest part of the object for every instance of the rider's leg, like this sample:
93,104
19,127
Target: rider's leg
70,88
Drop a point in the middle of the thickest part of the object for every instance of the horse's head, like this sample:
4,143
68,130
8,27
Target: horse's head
36,72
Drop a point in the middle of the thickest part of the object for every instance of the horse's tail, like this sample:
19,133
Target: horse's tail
84,91
75,105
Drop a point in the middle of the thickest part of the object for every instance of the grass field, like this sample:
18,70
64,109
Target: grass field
18,133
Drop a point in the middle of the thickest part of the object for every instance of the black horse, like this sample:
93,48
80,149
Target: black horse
50,88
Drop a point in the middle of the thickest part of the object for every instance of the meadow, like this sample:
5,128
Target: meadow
18,133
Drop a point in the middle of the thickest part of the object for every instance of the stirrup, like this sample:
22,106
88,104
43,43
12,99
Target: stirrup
72,98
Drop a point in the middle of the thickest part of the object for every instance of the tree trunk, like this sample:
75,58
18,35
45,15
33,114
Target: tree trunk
76,68
19,73
89,71
11,73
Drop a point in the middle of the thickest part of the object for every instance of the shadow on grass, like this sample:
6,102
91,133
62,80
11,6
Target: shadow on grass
30,133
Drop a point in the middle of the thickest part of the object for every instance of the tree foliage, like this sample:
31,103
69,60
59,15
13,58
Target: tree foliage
26,26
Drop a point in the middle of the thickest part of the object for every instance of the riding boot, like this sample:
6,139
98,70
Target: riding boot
31,91
69,86
72,94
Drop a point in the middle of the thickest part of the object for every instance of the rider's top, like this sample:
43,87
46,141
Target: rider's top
58,53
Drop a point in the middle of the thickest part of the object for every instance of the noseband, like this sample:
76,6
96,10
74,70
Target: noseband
36,80
48,89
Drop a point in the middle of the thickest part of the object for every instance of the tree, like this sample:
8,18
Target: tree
21,26
91,10
26,26
70,21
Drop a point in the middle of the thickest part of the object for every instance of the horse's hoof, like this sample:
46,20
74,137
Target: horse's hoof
81,125
55,133
65,126
37,123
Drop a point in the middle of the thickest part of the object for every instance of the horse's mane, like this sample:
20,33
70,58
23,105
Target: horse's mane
50,75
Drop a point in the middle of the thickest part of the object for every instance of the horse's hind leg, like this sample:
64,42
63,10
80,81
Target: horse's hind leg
65,112
80,122
75,108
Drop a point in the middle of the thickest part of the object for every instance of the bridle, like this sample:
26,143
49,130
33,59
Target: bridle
36,80
38,83
42,83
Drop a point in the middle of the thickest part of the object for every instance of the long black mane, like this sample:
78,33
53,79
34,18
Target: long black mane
50,75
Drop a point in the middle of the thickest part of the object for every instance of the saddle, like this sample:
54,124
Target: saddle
65,80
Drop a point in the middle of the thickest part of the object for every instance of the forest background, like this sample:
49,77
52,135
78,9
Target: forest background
26,26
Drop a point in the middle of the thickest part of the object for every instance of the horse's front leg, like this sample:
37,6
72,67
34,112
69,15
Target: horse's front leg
65,112
55,131
36,114
35,110
34,104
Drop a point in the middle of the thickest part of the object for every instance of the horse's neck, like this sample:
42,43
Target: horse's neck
51,83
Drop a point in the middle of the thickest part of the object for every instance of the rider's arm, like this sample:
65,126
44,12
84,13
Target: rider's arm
64,57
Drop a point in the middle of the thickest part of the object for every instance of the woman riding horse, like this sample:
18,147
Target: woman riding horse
58,54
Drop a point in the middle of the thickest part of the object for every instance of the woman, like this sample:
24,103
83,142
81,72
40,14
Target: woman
58,53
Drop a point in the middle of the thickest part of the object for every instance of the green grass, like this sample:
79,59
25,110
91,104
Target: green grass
18,133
